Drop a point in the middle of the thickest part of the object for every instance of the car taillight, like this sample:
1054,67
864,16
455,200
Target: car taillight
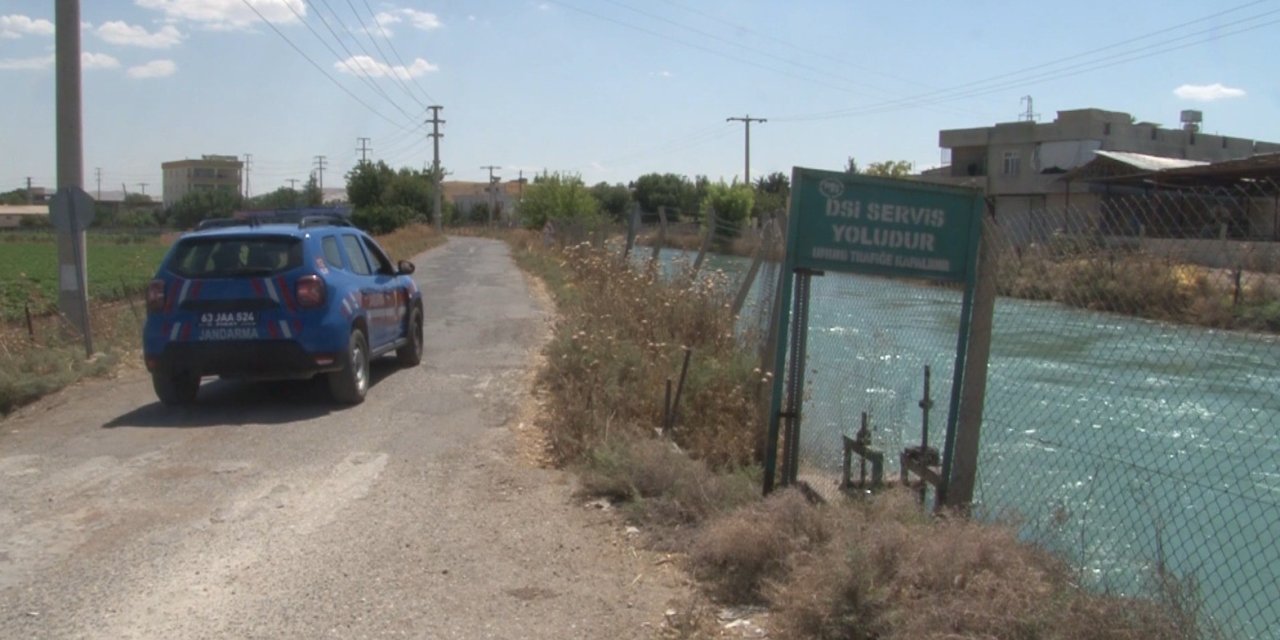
155,296
310,291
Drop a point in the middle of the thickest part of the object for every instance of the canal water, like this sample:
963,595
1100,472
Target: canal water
1122,443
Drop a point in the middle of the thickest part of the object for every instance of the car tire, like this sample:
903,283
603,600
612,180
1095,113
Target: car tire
410,355
176,388
349,384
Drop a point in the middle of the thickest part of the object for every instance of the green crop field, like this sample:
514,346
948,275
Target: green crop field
29,272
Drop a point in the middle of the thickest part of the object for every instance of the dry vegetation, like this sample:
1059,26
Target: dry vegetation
50,354
1142,285
873,568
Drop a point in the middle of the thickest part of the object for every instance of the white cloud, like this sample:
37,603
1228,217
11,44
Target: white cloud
225,15
368,67
97,61
416,19
153,69
24,64
422,19
16,26
661,74
1207,92
87,61
116,32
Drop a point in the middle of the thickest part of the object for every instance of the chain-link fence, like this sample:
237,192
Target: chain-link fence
1133,398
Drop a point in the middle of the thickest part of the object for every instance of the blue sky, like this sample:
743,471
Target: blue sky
610,89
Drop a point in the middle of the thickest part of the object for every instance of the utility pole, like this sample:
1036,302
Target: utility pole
489,188
71,209
30,197
248,164
435,135
143,186
747,120
98,173
363,149
1030,114
320,173
293,183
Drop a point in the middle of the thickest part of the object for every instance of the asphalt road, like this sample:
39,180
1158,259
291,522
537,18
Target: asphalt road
266,511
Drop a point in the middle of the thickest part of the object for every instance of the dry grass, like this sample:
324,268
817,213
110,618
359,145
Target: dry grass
621,335
890,572
1142,285
878,568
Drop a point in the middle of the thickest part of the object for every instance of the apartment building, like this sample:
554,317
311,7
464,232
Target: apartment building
209,172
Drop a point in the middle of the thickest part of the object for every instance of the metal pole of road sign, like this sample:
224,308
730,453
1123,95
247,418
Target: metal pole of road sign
72,209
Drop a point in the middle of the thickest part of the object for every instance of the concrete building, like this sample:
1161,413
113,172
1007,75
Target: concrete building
208,173
1025,167
466,196
11,216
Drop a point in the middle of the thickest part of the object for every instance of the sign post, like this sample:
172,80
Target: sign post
848,223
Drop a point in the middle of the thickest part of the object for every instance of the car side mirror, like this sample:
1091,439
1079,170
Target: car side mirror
405,268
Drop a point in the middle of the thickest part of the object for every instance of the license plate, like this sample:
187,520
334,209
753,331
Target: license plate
228,319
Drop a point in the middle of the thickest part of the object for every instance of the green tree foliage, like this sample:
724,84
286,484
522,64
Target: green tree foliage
203,205
851,166
17,196
366,182
381,195
312,196
282,198
614,199
732,204
889,169
771,193
655,190
556,197
382,218
137,199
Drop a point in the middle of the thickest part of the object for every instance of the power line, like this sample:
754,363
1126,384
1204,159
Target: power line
317,66
358,72
985,86
397,53
395,76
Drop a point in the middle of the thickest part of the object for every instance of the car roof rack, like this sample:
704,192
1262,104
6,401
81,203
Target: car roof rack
323,220
218,223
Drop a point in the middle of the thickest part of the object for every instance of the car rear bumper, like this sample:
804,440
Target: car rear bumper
259,359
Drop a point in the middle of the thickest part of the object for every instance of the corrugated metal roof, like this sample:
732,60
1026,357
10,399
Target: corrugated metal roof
1145,162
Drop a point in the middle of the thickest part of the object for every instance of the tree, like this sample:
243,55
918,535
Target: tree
732,205
137,199
771,193
409,188
557,197
312,196
204,204
17,196
851,166
366,182
889,169
282,198
614,199
653,190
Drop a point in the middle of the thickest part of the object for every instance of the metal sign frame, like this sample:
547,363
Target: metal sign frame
871,222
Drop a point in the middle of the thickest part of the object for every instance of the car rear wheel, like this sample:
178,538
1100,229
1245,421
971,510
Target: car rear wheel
410,355
176,388
349,384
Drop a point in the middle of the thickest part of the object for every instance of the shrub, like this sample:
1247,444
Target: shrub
382,219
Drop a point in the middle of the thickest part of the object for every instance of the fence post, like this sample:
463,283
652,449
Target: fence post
662,232
973,389
706,241
631,229
745,289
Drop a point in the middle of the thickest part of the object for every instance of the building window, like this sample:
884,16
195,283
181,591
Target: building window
1011,162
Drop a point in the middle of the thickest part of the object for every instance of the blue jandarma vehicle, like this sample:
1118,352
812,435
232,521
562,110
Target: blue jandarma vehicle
250,300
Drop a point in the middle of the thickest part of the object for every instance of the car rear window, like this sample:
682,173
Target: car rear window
231,256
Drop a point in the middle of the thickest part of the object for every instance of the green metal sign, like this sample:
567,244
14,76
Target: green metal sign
882,226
